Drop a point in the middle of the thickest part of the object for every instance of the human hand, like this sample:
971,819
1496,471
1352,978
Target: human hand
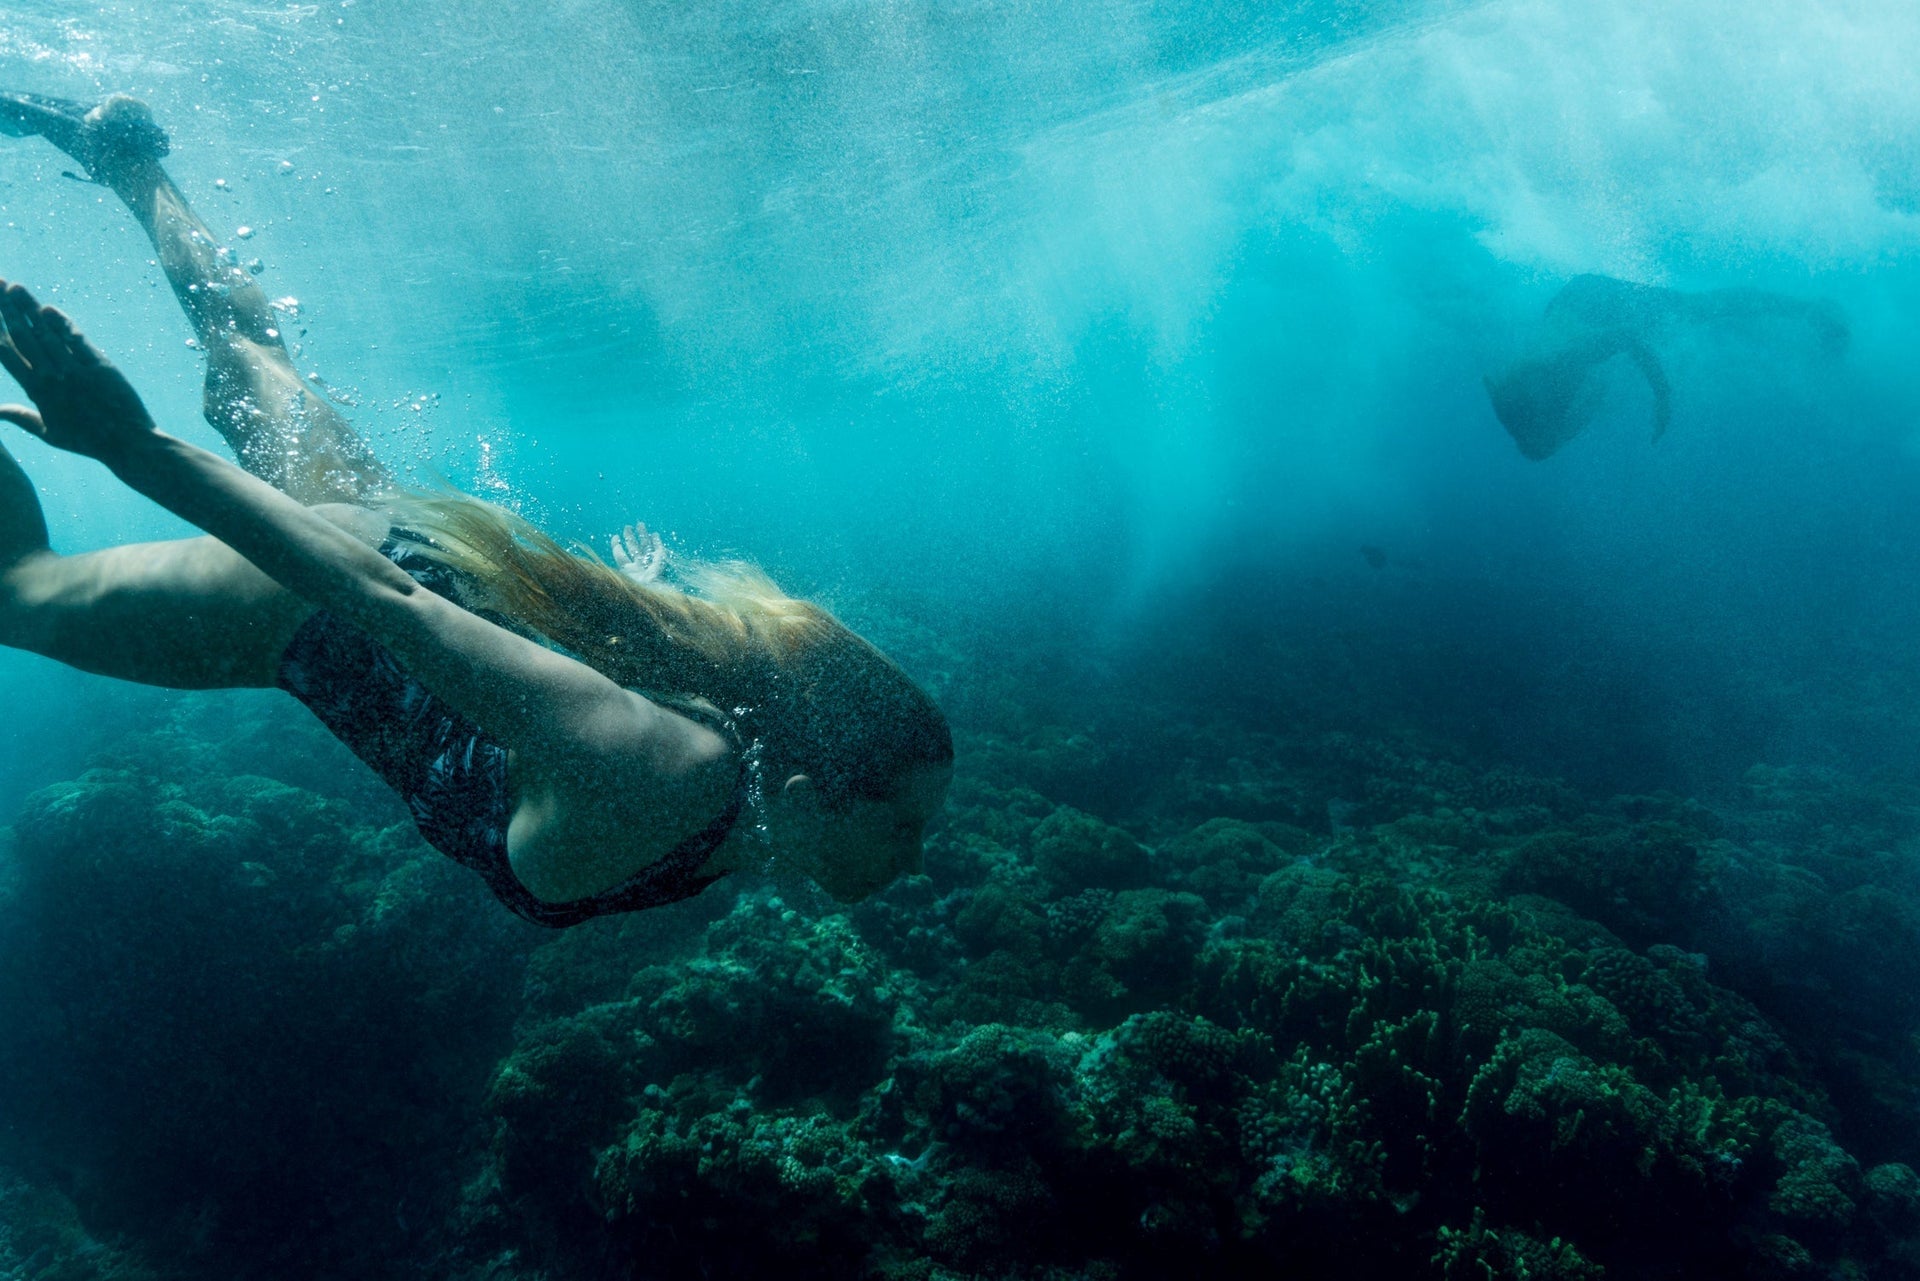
84,405
638,553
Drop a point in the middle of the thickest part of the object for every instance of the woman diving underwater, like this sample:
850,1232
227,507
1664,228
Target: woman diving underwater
582,736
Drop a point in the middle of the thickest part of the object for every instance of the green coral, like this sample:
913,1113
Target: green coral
1075,850
1362,1010
1479,1253
1893,1198
1140,954
1224,859
1365,1063
1643,881
996,1088
1819,1185
682,1190
202,973
43,1239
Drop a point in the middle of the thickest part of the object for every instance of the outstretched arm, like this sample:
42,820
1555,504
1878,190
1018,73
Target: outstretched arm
526,696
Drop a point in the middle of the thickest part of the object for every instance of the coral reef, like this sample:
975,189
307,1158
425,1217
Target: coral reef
43,1239
239,1012
1380,1013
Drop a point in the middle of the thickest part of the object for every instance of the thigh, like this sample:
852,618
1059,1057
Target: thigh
186,614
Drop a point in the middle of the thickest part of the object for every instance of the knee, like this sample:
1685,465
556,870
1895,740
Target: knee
229,398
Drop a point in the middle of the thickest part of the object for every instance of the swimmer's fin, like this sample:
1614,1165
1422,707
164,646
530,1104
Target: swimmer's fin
118,131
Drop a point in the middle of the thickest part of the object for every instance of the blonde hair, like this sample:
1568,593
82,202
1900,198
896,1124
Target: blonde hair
820,700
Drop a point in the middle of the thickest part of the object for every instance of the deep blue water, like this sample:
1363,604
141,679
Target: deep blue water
1137,348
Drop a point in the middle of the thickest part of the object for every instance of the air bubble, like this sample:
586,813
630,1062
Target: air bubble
220,184
286,166
255,266
245,233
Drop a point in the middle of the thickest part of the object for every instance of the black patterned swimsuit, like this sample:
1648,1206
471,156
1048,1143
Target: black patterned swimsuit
451,775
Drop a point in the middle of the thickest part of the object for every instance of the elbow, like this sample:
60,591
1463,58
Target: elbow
387,606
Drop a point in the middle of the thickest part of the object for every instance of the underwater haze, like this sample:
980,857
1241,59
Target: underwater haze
1413,510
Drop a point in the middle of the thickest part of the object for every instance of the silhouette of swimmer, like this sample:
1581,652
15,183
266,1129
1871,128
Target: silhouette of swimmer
1546,400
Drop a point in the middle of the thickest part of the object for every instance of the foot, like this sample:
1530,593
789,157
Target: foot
107,139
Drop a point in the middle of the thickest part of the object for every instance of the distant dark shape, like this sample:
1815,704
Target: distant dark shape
1376,558
1541,402
1545,400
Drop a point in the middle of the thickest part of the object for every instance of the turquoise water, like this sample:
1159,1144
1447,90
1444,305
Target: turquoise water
1047,310
1122,369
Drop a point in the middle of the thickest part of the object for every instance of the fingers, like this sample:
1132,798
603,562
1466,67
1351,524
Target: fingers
639,553
16,313
13,362
40,341
10,358
23,416
67,345
56,358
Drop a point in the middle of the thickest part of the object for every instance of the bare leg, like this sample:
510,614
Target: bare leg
188,614
277,427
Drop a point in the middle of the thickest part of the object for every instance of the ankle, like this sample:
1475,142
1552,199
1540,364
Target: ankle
136,180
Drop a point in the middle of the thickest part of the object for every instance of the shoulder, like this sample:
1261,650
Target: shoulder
585,825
